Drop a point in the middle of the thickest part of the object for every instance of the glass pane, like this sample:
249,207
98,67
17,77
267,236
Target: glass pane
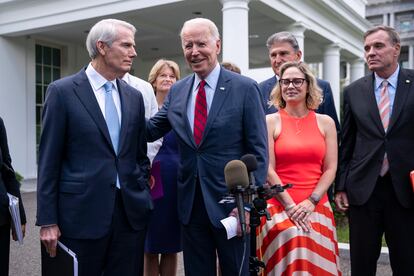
47,56
47,77
39,94
38,132
38,74
38,114
44,93
56,74
56,57
38,54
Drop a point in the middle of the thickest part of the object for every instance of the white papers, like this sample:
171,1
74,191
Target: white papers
15,215
71,253
230,223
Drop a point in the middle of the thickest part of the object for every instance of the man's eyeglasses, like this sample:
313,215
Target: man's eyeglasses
296,82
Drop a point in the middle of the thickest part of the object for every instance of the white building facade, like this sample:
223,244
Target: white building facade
43,40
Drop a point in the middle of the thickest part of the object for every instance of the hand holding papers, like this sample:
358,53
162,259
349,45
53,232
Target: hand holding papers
15,215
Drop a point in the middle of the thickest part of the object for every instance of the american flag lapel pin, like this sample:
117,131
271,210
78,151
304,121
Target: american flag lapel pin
222,88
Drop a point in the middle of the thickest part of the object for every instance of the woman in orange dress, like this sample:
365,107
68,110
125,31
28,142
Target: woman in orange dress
300,238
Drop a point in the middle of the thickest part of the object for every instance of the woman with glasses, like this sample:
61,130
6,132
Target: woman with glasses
301,235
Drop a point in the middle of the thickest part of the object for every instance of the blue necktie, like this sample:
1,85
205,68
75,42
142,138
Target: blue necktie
111,116
112,121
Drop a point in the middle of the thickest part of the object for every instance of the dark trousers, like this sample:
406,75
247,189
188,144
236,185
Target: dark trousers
201,241
4,249
120,252
381,214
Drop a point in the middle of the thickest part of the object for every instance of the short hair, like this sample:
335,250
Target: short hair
392,33
105,31
158,66
202,21
231,66
313,95
283,37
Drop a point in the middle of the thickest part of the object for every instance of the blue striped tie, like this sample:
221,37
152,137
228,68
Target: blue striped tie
111,116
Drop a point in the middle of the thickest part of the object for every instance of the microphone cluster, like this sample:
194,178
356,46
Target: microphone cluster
241,183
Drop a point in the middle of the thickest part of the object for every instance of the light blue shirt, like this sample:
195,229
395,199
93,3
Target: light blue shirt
392,87
210,88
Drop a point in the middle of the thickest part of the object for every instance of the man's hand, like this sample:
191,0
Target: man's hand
49,236
151,182
14,236
235,213
341,201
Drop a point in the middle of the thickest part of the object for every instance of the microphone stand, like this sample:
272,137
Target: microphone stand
258,210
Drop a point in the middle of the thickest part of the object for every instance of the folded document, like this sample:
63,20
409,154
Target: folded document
15,215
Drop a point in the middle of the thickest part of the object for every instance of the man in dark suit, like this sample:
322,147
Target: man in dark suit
377,156
8,184
284,47
93,170
217,117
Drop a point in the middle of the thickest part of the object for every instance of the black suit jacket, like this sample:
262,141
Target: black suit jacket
78,165
364,141
326,107
8,182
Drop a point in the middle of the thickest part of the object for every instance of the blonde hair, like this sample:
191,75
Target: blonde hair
158,66
313,95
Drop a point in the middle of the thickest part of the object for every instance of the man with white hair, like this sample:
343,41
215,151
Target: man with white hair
93,192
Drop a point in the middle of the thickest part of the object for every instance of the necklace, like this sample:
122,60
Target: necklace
298,121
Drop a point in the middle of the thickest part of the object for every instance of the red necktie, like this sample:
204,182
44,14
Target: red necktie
384,110
200,113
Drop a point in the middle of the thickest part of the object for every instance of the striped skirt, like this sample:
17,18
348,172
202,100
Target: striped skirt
288,251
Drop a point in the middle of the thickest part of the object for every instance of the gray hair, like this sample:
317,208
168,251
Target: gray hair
392,33
283,37
202,21
105,31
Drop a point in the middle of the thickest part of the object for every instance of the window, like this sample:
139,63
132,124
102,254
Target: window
405,22
48,69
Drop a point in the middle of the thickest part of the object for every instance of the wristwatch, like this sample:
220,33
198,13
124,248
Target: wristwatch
314,198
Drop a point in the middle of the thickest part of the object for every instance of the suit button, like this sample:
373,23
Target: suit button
113,185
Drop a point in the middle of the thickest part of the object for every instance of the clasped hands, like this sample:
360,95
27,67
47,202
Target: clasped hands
300,215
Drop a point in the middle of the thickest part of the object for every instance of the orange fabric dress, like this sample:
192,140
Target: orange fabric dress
299,152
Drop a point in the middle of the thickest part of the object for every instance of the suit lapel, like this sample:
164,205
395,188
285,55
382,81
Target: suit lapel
85,94
369,94
222,90
403,87
125,107
186,88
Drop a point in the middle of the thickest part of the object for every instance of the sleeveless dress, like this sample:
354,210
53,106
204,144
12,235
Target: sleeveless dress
299,152
164,229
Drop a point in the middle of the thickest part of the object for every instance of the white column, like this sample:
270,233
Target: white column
385,19
392,20
357,69
411,57
236,32
298,31
331,70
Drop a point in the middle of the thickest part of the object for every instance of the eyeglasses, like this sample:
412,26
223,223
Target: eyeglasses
296,82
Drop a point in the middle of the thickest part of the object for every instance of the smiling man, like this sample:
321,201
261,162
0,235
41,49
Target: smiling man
93,191
377,156
217,116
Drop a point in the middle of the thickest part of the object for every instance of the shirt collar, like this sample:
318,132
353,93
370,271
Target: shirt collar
392,80
97,80
212,78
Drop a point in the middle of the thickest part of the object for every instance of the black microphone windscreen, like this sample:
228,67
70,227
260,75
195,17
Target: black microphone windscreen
250,161
235,174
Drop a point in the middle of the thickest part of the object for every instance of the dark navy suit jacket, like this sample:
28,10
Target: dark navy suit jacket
364,141
327,106
78,165
235,126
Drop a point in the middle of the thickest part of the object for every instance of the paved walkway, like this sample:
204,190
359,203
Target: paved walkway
25,259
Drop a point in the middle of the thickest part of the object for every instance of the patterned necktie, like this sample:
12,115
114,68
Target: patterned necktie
200,113
384,110
111,116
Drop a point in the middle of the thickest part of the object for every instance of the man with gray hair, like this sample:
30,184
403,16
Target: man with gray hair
284,47
93,193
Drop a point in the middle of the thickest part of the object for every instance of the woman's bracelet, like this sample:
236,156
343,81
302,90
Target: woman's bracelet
287,208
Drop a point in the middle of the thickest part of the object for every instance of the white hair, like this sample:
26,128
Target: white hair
105,31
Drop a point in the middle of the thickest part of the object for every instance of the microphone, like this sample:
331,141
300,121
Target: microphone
235,175
251,164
